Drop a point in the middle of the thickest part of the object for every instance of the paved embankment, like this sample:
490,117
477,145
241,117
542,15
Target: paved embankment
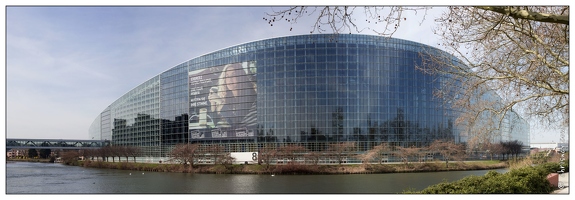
563,183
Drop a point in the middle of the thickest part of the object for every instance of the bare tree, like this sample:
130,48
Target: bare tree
512,58
291,153
422,153
226,160
116,151
185,154
505,149
407,153
344,19
215,152
87,153
132,151
447,149
313,157
341,150
526,13
109,152
377,153
517,147
493,149
104,153
266,155
512,148
81,153
123,151
91,153
70,156
522,63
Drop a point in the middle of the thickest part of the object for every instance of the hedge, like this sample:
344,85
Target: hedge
527,180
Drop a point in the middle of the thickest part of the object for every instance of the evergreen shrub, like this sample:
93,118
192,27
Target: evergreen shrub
527,180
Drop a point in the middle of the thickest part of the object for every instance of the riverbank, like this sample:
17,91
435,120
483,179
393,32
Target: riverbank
40,160
298,169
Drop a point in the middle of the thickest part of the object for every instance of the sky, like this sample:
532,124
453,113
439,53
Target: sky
64,65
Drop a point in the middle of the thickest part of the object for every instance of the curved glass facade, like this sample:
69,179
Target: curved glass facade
310,90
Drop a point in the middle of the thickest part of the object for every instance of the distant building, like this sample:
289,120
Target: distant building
550,146
14,153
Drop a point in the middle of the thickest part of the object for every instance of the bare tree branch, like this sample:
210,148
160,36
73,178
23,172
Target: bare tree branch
519,13
343,19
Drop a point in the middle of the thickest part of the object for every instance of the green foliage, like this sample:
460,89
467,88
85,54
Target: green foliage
256,168
219,169
527,180
539,157
72,162
549,167
45,153
553,167
410,191
122,165
32,153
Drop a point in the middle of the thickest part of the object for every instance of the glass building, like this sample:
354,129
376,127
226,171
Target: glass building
310,90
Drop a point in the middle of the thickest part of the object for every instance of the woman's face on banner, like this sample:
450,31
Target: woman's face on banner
232,79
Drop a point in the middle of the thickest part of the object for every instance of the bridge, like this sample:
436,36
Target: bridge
55,144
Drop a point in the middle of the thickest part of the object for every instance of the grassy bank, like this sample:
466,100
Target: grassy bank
296,169
41,160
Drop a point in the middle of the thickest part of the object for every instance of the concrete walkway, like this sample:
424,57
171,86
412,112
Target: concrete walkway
564,183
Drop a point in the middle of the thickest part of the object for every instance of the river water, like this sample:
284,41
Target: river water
55,178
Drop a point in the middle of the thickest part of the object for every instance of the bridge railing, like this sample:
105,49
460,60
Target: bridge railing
55,144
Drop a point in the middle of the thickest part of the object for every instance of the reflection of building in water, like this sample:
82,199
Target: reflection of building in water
309,90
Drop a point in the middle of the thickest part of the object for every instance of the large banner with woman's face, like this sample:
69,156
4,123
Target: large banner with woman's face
223,101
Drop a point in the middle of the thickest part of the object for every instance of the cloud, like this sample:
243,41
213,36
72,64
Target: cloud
68,63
